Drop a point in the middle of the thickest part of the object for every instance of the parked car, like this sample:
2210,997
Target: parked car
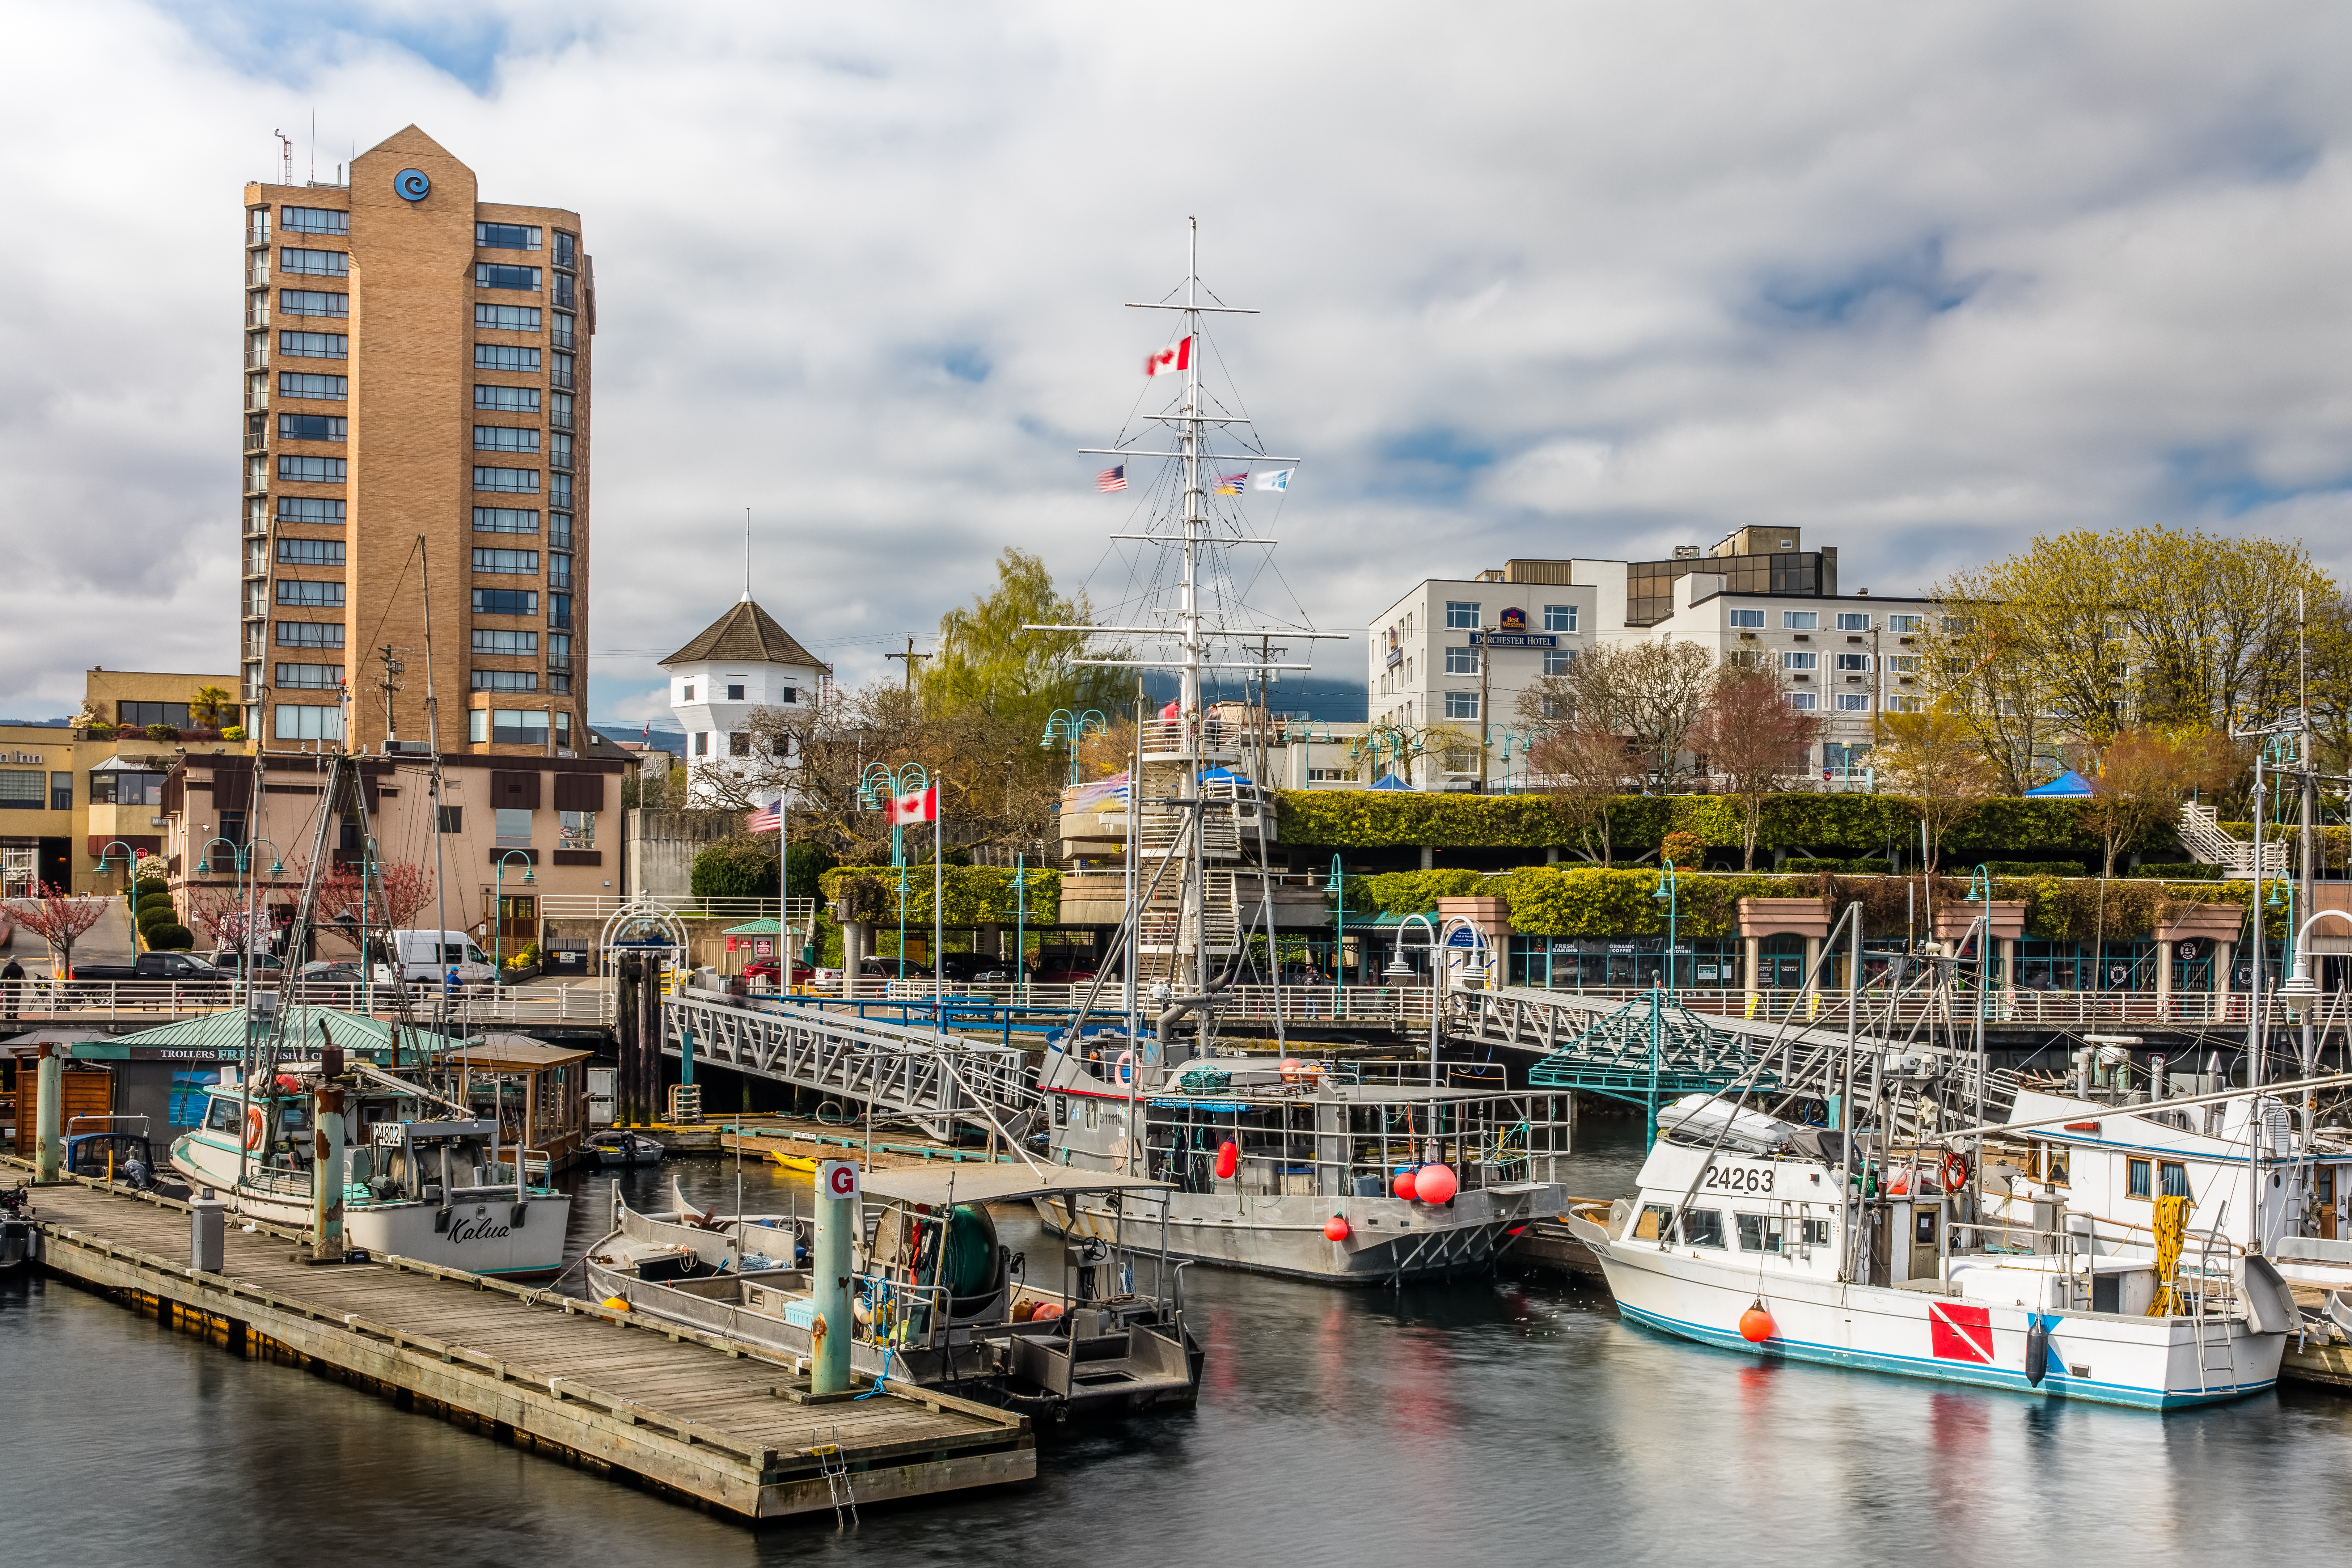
980,968
765,969
878,968
329,983
424,955
184,967
1064,974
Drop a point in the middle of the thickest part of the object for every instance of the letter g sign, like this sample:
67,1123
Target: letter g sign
411,185
837,1179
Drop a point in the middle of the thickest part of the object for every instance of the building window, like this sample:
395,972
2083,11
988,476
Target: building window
1559,618
1794,659
512,645
558,453
452,818
1747,620
513,826
314,220
1901,704
478,727
1800,620
505,438
523,481
1462,705
112,788
61,792
559,571
560,373
505,602
1903,663
310,596
1852,662
1805,701
302,384
317,510
313,302
1854,703
1558,660
506,680
518,727
734,694
559,648
499,275
558,410
516,562
311,470
701,743
685,692
739,744
1906,626
304,722
505,356
310,552
139,715
314,345
507,399
558,492
1461,613
507,235
575,829
559,530
316,263
1848,623
310,677
309,634
506,318
559,610
311,426
23,789
506,520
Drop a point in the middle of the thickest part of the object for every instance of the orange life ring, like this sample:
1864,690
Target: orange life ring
1956,1171
255,1130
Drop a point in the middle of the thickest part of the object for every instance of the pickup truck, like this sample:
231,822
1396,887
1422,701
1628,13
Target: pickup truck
179,966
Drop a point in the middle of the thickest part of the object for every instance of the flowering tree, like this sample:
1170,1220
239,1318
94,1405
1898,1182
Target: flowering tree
393,893
1755,739
219,912
58,917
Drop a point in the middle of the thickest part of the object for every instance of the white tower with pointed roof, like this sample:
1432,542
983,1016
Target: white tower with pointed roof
742,660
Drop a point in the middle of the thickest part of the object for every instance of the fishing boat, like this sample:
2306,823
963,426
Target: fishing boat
19,1242
936,1300
1755,1234
440,1189
616,1148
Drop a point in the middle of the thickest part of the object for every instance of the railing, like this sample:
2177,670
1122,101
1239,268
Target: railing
583,1002
602,906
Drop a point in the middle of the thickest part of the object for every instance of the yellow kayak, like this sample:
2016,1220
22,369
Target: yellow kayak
801,1162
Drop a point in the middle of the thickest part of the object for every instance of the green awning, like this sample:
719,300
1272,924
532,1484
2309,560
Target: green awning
751,928
353,1031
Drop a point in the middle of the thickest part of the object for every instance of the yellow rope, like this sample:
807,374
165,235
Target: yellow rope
2171,1223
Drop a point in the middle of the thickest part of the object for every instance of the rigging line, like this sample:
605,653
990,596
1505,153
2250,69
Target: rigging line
1226,370
388,597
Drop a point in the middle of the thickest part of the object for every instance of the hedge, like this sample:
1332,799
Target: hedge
976,895
170,939
744,866
1366,819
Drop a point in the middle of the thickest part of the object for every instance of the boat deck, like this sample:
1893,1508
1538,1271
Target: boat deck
728,1424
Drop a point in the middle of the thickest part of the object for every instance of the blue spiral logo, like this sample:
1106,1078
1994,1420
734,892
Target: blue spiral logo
412,186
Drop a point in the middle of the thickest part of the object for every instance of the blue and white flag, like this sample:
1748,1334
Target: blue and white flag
1275,479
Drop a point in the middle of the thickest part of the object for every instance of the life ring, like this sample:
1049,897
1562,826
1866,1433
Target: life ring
1126,1066
255,1130
1956,1171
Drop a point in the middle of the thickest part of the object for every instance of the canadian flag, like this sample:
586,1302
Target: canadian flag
1169,360
923,806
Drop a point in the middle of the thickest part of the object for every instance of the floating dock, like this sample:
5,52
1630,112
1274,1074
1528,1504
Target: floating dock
727,1425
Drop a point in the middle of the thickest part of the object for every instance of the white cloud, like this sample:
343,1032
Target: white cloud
1538,279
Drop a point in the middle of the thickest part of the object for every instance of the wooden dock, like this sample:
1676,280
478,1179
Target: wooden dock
727,1425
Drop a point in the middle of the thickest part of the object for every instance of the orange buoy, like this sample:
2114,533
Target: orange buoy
1335,1227
618,1303
1436,1184
1404,1183
1046,1312
1755,1324
1229,1159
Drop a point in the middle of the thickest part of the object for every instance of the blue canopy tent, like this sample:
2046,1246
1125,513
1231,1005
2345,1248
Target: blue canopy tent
2068,785
1389,780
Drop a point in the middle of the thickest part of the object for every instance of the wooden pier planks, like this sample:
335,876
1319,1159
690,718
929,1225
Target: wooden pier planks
708,1417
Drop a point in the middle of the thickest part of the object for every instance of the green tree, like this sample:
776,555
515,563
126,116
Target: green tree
986,659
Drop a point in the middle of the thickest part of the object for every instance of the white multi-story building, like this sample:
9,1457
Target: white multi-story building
742,662
1459,653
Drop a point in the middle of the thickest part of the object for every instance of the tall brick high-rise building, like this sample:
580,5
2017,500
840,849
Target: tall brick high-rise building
416,394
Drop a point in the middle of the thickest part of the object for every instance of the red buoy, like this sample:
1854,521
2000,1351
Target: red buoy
1229,1160
1335,1227
1435,1183
1405,1184
1755,1324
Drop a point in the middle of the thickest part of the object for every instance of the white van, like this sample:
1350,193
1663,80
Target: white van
420,961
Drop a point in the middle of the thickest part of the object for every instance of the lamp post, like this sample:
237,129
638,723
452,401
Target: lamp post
1669,893
880,784
1338,887
1400,970
1071,728
499,911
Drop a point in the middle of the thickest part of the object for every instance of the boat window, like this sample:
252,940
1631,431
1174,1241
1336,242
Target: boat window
1090,1115
1653,1215
2054,1160
1817,1233
1061,1110
1759,1232
2135,1179
2174,1177
222,1117
1703,1228
1923,1227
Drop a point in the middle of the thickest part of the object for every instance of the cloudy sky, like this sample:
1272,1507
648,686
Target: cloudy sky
1538,279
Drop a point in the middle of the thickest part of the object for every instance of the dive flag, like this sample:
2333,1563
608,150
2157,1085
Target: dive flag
1232,484
1178,356
1276,479
1956,1333
922,805
1111,480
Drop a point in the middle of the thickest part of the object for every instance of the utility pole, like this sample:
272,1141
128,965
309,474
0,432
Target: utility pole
390,688
912,658
1486,660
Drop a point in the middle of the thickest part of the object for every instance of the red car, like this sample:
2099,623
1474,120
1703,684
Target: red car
765,969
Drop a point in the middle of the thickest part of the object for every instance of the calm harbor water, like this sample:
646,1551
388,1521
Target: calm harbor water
1497,1420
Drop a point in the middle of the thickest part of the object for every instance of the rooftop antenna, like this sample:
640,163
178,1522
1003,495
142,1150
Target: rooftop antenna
747,556
314,143
285,158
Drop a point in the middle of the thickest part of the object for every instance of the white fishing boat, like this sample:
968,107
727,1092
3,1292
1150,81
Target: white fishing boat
440,1190
1752,1233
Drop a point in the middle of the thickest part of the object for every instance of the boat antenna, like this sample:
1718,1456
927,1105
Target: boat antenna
433,743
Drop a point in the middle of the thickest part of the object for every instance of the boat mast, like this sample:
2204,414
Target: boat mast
1195,909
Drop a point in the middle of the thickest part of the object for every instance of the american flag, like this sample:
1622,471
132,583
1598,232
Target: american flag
1111,480
767,821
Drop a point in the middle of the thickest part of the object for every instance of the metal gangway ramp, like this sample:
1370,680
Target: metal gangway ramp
943,1082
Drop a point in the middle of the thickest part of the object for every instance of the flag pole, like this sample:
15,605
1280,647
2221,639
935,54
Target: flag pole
939,911
783,900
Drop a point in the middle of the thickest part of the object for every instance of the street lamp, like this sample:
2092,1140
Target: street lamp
1669,893
498,912
2300,989
882,783
1071,728
1399,969
1338,887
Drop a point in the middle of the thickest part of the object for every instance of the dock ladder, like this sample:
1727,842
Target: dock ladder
2207,1318
834,1466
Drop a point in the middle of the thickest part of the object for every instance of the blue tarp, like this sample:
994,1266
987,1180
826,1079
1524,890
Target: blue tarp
2068,785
